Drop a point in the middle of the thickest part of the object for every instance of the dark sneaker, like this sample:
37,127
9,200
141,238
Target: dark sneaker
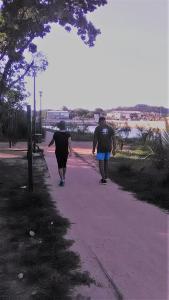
103,181
61,183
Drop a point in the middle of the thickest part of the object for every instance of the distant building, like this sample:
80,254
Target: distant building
124,115
54,116
115,115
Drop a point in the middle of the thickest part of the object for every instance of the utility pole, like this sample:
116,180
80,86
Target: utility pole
29,149
34,111
40,112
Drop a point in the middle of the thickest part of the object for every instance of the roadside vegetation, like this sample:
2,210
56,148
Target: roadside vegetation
36,259
81,136
78,135
142,167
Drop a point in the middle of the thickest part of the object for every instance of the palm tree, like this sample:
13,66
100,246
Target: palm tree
158,144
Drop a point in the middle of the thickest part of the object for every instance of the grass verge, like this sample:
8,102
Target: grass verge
81,137
36,259
143,178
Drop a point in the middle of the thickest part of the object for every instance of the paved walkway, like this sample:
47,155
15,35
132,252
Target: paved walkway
122,242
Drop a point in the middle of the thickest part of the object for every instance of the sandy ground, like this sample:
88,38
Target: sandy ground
122,241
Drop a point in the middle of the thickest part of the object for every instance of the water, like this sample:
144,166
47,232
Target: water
91,129
134,133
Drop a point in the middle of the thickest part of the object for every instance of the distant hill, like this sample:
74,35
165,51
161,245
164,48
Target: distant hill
145,108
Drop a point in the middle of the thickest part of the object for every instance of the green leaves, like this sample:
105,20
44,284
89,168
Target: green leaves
165,140
22,21
39,64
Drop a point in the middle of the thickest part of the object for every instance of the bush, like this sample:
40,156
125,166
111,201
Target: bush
143,179
79,136
125,168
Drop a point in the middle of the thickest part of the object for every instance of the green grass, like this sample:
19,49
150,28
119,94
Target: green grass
32,239
141,177
133,151
81,137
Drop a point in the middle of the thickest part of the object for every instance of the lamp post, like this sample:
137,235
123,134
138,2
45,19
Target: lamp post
40,112
34,111
29,152
39,63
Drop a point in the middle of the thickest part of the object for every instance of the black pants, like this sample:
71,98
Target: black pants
61,159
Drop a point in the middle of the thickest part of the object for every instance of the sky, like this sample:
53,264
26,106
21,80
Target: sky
127,66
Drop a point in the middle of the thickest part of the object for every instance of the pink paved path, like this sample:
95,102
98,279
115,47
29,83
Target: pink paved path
121,241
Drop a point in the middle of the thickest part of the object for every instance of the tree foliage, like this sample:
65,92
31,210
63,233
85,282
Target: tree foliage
99,110
21,21
145,108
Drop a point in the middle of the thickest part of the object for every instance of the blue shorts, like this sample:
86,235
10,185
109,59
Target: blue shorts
103,156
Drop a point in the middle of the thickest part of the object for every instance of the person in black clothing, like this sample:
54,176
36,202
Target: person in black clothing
104,139
62,140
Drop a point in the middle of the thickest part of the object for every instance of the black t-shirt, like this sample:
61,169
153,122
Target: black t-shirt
103,135
61,141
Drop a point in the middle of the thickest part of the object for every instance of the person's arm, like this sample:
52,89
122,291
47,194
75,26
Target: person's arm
95,140
70,145
51,142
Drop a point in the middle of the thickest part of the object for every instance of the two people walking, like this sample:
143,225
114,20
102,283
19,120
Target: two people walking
103,141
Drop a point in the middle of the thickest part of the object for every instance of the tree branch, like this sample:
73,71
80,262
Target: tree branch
22,76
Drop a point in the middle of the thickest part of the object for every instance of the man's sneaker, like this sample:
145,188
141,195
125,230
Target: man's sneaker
103,181
61,183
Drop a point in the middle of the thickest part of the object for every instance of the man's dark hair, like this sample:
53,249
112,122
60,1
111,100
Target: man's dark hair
61,125
102,119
